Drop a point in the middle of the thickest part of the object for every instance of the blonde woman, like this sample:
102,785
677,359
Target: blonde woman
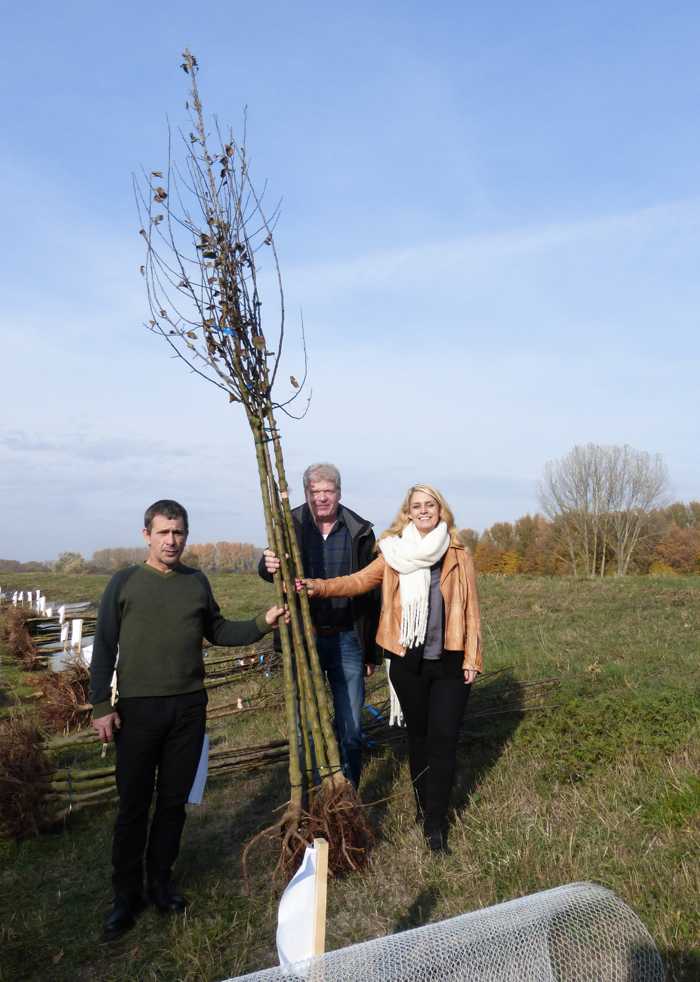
429,627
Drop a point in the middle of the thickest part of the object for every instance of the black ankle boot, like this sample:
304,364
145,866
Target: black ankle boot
122,915
437,841
166,899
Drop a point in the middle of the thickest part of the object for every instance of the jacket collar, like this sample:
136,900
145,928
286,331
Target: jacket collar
356,525
450,562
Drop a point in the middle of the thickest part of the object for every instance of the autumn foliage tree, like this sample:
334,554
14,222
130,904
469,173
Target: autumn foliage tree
679,550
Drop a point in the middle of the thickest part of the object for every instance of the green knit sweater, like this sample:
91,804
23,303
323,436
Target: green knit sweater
156,622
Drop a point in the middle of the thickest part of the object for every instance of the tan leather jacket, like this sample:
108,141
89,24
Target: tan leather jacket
458,589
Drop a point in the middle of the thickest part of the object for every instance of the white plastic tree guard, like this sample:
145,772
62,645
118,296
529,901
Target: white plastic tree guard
575,933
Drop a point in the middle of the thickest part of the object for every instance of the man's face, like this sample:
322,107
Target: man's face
323,498
166,542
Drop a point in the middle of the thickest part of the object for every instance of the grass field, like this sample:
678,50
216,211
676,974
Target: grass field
602,784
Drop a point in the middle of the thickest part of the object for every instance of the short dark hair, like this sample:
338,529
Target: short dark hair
168,509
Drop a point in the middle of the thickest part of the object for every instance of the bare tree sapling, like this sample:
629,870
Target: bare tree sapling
205,231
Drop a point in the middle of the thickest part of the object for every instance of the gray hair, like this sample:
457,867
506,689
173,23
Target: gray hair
321,472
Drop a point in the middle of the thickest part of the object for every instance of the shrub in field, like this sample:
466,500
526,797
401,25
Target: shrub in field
70,562
659,568
680,550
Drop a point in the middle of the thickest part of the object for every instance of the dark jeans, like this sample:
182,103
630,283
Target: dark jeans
433,698
158,746
343,661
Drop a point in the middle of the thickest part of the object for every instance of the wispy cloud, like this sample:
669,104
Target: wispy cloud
78,446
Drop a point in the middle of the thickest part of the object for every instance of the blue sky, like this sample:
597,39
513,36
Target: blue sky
491,221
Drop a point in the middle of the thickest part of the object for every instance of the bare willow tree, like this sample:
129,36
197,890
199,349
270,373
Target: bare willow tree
600,499
205,228
638,483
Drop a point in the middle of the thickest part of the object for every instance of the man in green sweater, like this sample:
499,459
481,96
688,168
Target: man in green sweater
155,617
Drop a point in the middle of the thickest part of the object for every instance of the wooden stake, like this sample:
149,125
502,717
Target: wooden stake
320,894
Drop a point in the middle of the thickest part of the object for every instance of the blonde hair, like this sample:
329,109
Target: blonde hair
403,517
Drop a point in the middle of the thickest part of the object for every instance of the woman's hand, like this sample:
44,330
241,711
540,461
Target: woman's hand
470,675
308,585
274,614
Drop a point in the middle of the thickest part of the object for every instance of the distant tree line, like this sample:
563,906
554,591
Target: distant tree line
15,566
669,543
604,512
212,557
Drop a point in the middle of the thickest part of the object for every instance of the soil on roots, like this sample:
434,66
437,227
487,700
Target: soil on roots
335,814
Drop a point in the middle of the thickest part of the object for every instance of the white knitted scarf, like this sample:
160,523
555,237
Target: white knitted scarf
411,555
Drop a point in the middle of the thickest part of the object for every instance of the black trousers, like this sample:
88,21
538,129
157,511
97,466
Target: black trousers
158,746
433,698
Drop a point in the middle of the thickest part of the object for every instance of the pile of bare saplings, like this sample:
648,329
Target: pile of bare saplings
36,794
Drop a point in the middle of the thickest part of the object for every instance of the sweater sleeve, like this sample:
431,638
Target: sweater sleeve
217,630
353,585
105,646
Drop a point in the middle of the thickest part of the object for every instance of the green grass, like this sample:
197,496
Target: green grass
602,784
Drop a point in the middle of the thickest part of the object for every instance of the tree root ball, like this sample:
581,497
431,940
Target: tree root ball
18,638
336,814
24,771
64,705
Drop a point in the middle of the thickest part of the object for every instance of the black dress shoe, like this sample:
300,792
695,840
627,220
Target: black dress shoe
121,916
164,897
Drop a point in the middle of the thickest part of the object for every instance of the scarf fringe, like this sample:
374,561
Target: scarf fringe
414,622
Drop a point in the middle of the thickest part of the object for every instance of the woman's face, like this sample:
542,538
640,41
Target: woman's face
424,511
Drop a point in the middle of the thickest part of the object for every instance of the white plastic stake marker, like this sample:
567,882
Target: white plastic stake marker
64,633
61,614
76,632
200,779
300,936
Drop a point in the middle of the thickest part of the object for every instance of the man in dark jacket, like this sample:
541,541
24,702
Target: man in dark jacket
155,616
335,541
